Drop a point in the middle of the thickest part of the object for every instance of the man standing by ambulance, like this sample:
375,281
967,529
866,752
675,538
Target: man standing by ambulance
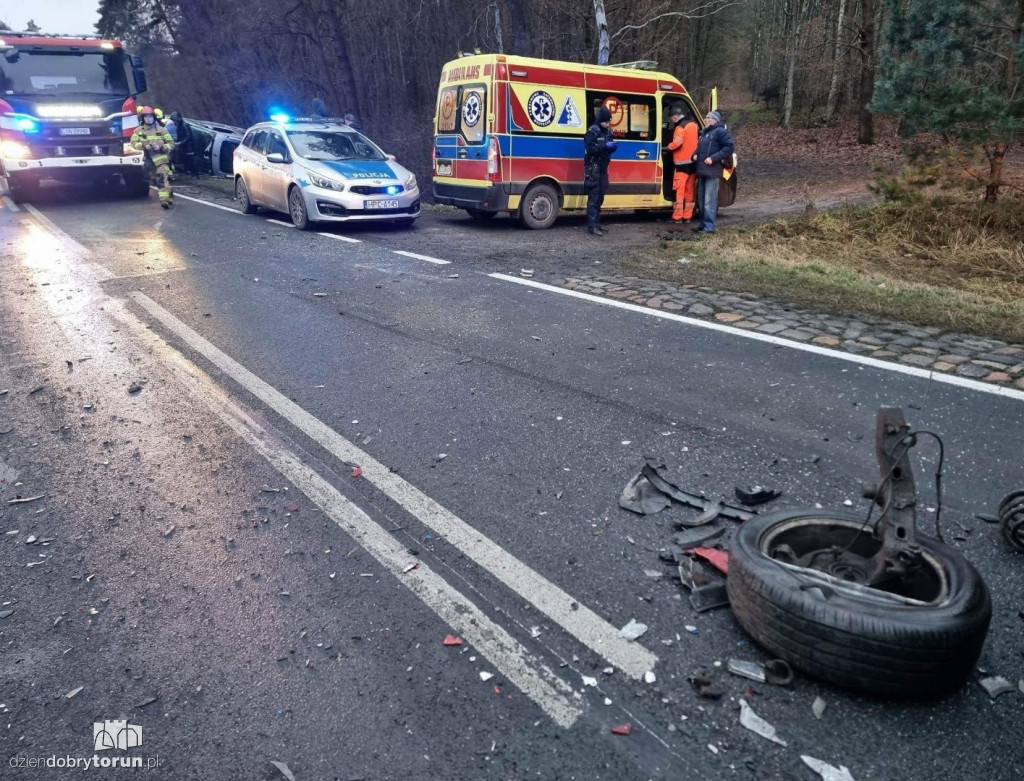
713,146
599,144
684,179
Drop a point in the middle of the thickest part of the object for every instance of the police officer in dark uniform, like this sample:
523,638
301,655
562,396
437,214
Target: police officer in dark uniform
599,144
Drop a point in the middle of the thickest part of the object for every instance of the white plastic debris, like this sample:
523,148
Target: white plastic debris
650,677
818,707
633,630
535,631
654,574
588,681
73,692
996,685
486,676
608,670
847,503
607,701
826,771
285,771
31,538
712,748
756,724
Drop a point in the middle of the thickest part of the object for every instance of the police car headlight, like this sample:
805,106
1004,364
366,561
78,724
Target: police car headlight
324,182
410,183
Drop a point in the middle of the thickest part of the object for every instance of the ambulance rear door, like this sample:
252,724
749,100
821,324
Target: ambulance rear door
461,139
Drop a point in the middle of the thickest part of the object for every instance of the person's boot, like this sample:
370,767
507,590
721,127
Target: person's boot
595,231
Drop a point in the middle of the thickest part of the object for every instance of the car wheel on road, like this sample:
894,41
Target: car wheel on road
793,587
297,209
480,214
539,207
245,205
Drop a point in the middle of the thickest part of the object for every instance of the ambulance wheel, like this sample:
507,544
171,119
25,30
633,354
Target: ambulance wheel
297,209
480,215
539,207
918,638
242,196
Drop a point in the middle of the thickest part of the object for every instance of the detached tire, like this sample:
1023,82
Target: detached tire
854,636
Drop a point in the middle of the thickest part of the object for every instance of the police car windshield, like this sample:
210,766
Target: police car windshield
327,145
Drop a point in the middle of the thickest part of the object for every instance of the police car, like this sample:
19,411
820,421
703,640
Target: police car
321,170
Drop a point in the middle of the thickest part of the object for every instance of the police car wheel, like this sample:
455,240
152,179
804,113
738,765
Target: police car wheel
245,205
297,209
539,207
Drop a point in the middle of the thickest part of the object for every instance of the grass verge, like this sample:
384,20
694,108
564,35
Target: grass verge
958,265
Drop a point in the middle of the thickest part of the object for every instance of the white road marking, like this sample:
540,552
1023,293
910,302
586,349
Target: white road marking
11,204
49,224
581,622
207,203
502,650
341,238
427,258
913,371
281,222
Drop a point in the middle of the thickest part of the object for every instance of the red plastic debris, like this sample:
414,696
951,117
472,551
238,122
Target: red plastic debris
623,729
719,559
452,640
357,472
497,690
294,509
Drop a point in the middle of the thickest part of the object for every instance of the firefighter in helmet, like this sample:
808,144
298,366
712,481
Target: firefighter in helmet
153,139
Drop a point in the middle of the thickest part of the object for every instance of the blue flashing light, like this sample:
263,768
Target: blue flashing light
394,189
26,125
276,115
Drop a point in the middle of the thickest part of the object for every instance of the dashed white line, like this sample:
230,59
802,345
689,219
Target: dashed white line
875,363
577,619
427,258
207,203
340,238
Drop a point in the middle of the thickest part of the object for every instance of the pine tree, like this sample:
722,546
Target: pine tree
950,67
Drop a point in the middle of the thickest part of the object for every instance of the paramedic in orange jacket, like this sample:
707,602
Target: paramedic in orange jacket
684,180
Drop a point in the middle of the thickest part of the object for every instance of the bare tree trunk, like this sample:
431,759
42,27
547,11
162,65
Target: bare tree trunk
866,131
996,154
519,22
833,89
795,13
603,46
497,29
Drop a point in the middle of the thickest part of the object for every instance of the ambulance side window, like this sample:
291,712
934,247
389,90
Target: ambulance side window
633,116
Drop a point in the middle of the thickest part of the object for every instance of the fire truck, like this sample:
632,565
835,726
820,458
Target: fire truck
67,113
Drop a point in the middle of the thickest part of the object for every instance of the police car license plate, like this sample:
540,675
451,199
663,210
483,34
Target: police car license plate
388,204
74,131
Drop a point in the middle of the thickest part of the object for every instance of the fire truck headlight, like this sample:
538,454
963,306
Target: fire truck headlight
16,150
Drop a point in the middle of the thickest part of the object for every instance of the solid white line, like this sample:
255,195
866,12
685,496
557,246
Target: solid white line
207,203
581,622
913,371
492,641
427,258
341,238
49,224
11,204
281,222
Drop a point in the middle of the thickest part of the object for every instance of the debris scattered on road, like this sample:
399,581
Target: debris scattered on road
34,563
285,771
654,574
697,536
6,613
526,272
778,672
169,531
410,567
357,472
818,707
486,676
847,503
452,640
705,686
30,539
26,500
712,748
718,559
648,493
589,681
633,630
453,276
465,360
73,692
135,387
650,677
36,389
623,729
268,490
756,495
996,685
756,724
319,295
147,701
751,670
535,631
826,771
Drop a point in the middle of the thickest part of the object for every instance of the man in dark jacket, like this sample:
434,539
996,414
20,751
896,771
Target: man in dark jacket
714,145
599,144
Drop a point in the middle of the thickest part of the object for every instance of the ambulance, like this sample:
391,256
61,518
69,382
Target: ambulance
508,136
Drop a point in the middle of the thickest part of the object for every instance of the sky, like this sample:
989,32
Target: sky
53,16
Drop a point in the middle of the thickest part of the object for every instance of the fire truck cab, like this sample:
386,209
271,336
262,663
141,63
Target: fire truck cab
508,136
67,112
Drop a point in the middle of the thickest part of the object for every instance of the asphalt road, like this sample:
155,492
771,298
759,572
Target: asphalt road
245,437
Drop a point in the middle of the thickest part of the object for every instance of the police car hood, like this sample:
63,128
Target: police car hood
358,170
